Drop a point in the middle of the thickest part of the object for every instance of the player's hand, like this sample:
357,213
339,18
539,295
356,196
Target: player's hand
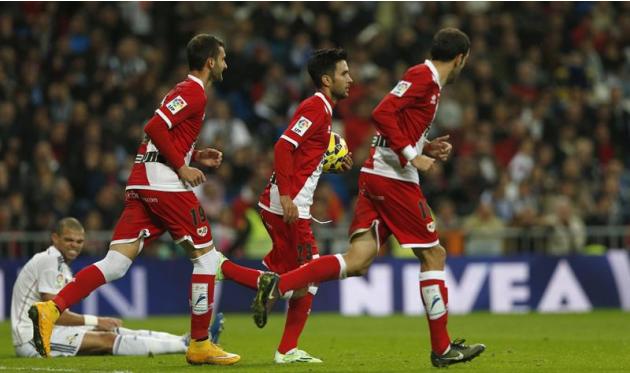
440,147
108,323
423,163
289,209
346,163
209,157
192,176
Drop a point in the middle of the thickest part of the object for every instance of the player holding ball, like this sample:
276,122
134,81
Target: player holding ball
391,201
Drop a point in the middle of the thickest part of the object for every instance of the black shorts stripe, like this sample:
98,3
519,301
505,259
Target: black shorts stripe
63,351
62,348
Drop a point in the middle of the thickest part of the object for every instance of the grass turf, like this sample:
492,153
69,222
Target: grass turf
598,341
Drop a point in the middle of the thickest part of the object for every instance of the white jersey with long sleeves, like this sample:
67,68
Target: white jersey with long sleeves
46,272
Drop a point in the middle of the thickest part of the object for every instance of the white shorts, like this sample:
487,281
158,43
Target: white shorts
65,341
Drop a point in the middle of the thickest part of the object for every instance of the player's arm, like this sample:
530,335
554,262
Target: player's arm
300,129
170,114
405,93
283,166
69,318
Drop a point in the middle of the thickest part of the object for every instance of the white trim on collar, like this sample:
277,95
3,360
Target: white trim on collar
196,80
57,250
321,95
436,74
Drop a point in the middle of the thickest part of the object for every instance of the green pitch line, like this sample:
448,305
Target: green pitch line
593,342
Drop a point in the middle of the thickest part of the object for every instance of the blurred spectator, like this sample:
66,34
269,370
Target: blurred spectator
223,231
484,232
522,163
224,132
568,235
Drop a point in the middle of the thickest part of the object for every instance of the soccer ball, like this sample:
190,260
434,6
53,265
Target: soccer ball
337,150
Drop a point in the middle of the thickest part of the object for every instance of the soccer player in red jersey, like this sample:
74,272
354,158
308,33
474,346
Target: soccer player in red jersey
158,199
390,199
286,202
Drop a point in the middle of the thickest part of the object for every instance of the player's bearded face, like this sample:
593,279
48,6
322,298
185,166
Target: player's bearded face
457,69
216,71
341,81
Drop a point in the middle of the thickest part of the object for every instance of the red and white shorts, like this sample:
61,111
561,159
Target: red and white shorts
293,244
150,213
394,207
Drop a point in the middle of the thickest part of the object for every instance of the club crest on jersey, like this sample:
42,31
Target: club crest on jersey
72,339
400,88
60,280
176,104
301,126
202,231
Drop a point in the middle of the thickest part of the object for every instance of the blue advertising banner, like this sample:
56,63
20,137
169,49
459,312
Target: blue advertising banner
506,284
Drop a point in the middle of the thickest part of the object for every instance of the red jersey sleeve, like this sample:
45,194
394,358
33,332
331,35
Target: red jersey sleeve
405,93
304,124
283,166
179,106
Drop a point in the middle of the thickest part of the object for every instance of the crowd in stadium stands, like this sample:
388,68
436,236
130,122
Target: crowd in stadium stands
539,119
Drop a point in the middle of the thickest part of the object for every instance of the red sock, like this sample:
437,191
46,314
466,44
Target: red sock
319,270
298,312
85,282
202,297
241,275
434,295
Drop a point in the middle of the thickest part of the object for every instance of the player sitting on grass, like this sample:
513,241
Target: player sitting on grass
74,334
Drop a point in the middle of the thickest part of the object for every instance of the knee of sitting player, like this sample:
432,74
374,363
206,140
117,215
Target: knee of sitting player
97,343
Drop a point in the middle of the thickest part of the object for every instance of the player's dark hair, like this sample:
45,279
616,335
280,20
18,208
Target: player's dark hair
69,223
200,48
448,43
323,62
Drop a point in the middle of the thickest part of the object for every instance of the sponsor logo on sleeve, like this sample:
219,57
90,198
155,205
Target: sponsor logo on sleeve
176,105
400,88
301,126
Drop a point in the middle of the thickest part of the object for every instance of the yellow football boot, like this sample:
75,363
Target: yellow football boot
44,315
206,352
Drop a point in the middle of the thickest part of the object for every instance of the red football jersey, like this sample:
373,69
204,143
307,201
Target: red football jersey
183,111
309,133
403,119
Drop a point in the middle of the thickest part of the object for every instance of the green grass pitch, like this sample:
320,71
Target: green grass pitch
593,342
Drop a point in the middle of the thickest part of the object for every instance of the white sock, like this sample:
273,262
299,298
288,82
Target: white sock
135,345
147,333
